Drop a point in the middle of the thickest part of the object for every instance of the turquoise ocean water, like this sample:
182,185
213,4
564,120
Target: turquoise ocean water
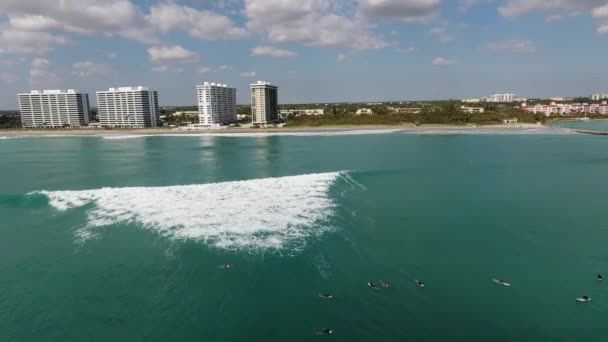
123,239
591,125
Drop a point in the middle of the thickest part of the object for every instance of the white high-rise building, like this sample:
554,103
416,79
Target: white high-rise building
216,104
501,98
264,103
54,108
598,97
130,107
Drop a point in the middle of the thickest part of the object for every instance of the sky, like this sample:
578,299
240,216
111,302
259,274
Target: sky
315,51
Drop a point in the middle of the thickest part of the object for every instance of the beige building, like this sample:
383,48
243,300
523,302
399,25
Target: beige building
264,103
365,111
472,110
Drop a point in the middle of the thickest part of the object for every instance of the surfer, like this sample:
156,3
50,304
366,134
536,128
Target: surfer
599,277
501,282
325,295
324,332
370,284
584,299
385,285
419,283
228,266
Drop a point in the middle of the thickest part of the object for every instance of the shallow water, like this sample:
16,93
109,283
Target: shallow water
123,239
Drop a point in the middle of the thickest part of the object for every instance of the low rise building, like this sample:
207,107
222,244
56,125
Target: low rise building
471,100
567,109
364,111
510,121
286,112
407,110
472,110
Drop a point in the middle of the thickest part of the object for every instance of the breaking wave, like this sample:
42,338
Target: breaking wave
254,215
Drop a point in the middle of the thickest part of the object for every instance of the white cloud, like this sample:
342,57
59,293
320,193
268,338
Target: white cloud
168,54
465,5
204,70
272,52
205,25
600,12
602,29
86,69
596,8
412,49
442,61
553,18
29,42
441,34
160,68
309,22
249,74
224,68
409,11
109,17
512,46
112,55
8,78
43,74
514,8
341,58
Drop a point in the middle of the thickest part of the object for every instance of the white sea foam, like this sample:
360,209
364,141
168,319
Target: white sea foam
490,131
123,137
255,215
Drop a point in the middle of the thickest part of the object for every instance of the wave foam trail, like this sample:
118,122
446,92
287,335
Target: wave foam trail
255,215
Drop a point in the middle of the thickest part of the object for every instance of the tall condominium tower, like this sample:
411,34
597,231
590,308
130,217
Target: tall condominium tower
216,104
54,108
264,103
132,107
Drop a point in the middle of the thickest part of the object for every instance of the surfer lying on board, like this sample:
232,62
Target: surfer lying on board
324,332
501,282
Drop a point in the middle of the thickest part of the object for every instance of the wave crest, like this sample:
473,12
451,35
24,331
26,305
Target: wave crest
255,215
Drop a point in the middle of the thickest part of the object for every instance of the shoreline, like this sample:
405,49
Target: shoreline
348,129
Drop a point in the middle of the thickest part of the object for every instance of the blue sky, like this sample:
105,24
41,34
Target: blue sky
315,50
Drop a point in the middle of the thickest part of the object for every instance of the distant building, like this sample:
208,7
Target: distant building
510,121
216,104
567,108
264,103
128,107
286,112
407,110
471,100
497,98
472,110
54,108
598,97
365,111
557,98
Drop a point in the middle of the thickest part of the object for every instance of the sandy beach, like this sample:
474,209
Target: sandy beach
268,131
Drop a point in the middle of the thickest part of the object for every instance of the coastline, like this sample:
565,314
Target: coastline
349,129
